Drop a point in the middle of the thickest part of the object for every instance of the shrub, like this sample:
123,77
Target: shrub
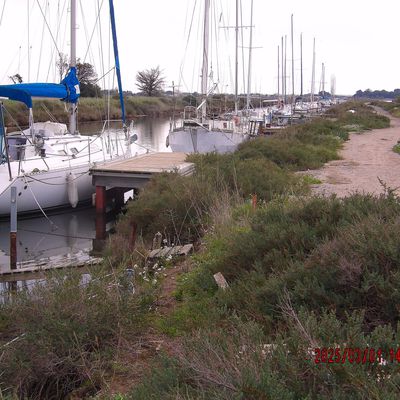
288,152
68,333
239,361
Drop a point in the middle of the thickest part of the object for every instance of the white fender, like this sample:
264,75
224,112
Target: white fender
72,190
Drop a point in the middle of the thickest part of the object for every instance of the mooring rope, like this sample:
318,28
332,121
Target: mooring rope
53,225
53,184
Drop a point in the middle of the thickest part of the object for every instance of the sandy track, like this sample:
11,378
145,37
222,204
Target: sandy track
364,158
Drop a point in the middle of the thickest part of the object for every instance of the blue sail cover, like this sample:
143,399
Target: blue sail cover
117,68
67,90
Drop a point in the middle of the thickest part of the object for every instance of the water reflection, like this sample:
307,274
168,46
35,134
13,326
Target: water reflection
71,233
151,132
41,238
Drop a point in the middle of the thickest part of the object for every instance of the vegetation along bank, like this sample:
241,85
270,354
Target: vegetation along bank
91,109
304,273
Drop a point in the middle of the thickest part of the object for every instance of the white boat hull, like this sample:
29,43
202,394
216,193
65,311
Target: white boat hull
201,140
61,177
46,190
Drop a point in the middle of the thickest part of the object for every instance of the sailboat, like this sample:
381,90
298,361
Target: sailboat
48,163
196,132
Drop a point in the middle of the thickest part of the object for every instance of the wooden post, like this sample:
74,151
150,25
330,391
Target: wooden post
254,201
101,212
13,228
101,204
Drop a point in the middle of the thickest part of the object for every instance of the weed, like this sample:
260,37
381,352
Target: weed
70,331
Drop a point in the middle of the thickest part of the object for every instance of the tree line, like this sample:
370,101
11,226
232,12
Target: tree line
377,94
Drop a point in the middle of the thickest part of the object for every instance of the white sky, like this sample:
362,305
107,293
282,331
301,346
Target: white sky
357,40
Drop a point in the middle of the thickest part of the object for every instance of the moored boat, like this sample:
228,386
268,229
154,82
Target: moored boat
48,163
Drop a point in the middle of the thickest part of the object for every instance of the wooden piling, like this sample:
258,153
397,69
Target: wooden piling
100,212
254,201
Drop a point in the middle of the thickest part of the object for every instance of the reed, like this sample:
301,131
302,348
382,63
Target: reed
90,109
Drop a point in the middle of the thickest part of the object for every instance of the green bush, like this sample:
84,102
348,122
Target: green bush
288,153
68,331
239,361
325,251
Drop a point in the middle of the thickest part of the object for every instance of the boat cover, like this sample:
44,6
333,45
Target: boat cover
67,90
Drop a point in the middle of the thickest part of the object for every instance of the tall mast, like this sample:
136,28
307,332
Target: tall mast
301,65
333,86
278,74
250,49
285,69
283,72
292,61
322,86
236,55
313,75
204,68
72,64
116,57
29,45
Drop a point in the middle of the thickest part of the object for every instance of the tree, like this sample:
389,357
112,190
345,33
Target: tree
87,79
62,65
150,82
17,78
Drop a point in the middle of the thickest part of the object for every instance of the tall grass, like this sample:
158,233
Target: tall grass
90,109
303,274
69,332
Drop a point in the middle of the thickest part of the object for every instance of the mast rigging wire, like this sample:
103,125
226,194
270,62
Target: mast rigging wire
48,27
89,49
41,43
181,79
101,54
2,11
55,41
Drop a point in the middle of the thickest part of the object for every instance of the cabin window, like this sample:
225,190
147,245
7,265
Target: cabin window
62,152
74,150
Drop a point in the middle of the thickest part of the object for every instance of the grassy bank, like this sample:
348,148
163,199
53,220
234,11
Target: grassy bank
303,272
90,109
67,336
304,275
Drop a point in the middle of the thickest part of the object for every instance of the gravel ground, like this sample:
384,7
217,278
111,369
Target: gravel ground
365,159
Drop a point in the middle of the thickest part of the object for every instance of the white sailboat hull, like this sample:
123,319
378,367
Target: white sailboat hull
59,179
201,140
46,190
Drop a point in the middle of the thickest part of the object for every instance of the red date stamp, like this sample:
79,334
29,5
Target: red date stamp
355,355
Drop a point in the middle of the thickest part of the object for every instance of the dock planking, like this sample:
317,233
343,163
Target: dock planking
136,171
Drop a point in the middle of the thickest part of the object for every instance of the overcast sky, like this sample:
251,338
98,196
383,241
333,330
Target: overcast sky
356,40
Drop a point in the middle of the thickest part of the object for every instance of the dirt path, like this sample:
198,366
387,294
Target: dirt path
366,158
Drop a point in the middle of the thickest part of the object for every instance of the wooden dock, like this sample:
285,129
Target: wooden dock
113,179
135,172
32,269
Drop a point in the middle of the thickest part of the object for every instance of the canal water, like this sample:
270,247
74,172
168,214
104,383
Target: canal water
69,234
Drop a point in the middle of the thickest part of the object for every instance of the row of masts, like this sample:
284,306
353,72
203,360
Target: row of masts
282,68
204,69
282,64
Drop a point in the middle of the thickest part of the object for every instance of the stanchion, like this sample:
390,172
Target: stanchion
13,228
